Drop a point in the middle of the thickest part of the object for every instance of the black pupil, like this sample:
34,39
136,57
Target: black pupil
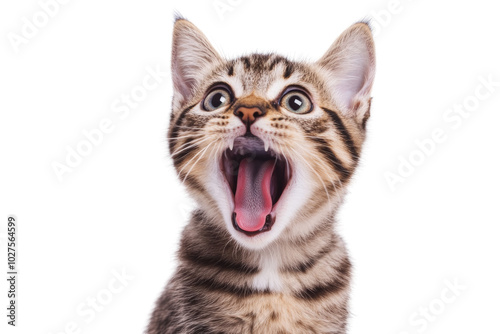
295,102
217,100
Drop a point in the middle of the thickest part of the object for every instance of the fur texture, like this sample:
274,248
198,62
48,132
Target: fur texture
293,278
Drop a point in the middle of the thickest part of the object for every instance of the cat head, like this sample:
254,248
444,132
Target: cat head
265,144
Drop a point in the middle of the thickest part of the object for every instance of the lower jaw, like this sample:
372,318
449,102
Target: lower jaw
270,219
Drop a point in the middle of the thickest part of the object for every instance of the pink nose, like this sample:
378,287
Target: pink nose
248,115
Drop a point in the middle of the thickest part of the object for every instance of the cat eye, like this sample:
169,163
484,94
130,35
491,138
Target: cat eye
218,97
296,101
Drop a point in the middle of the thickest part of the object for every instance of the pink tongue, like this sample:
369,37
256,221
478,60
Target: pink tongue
252,200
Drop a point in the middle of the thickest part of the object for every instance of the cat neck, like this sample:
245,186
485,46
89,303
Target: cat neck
208,247
208,236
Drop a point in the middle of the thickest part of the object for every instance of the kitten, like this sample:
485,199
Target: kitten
266,146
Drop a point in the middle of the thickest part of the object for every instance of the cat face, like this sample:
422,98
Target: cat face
265,144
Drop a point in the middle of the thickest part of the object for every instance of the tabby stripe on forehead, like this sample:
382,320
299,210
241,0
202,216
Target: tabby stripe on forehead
175,128
288,70
344,133
336,164
246,61
275,62
325,289
230,71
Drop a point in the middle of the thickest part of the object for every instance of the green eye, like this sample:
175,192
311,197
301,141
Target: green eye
296,102
217,98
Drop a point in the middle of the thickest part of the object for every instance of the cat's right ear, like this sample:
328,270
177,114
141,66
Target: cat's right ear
192,56
350,67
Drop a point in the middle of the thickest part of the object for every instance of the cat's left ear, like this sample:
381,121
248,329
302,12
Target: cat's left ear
350,67
192,57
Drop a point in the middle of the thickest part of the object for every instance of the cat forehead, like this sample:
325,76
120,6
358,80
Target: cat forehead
261,65
264,74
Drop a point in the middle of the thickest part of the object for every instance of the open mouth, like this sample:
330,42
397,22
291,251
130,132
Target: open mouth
257,178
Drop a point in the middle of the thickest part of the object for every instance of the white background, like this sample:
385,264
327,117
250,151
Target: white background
122,208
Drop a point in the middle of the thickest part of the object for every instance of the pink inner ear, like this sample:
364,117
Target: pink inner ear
192,54
350,64
354,77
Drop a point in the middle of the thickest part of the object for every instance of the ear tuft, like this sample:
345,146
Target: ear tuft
366,21
192,57
350,69
178,16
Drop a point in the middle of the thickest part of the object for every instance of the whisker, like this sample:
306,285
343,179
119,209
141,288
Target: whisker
190,145
187,142
213,153
286,159
189,127
194,164
312,169
186,136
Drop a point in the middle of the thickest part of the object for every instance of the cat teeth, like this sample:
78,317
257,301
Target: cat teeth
231,144
266,145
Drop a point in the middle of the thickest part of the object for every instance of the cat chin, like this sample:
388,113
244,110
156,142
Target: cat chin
255,243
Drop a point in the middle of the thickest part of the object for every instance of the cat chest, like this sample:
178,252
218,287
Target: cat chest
278,313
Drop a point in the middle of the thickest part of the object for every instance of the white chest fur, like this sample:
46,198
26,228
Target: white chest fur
268,278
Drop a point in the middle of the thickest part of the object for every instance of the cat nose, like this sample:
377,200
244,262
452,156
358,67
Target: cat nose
248,115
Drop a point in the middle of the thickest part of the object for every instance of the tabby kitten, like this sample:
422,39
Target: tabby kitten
266,146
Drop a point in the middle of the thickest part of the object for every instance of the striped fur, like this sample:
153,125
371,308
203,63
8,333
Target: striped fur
295,277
